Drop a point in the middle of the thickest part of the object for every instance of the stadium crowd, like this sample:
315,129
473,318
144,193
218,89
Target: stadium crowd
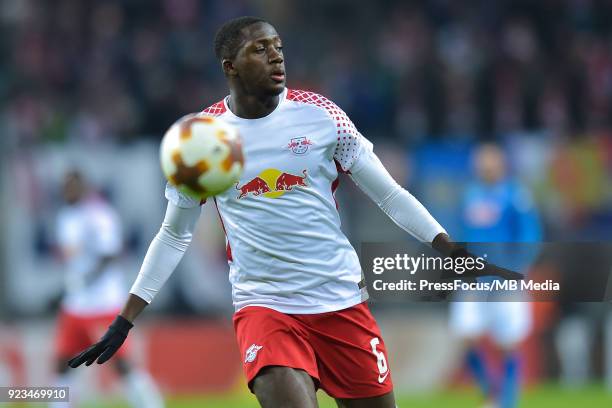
123,69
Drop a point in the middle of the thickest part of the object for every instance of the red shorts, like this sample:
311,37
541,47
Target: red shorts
342,350
75,333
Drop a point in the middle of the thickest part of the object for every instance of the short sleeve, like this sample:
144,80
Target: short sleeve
350,143
179,199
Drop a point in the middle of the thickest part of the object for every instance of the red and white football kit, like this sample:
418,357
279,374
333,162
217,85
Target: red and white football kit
86,232
296,280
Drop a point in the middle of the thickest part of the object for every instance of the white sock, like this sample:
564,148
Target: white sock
573,342
142,391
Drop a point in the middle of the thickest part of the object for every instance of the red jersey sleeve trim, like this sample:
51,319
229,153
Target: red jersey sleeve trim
348,138
215,110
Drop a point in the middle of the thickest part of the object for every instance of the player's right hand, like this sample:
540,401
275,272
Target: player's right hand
107,346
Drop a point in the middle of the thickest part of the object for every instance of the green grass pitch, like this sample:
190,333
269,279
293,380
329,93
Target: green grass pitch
542,397
550,396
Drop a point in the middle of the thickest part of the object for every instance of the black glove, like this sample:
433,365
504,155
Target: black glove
488,270
107,346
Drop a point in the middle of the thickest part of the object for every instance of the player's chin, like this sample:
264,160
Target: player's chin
275,87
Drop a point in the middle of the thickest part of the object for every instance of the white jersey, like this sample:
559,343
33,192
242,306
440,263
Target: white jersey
508,322
86,232
285,248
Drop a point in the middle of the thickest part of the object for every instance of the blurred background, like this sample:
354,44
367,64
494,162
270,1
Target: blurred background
95,84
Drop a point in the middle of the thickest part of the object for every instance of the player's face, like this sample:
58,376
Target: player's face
490,164
73,188
259,64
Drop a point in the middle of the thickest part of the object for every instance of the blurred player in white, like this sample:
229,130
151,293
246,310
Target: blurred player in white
496,209
89,237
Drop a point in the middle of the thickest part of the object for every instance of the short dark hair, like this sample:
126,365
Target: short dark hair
229,37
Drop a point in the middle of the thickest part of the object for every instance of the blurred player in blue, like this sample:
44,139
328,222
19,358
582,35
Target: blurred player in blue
496,209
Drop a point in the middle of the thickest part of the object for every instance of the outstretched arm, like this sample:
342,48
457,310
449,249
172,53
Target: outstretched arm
407,212
163,255
166,251
354,154
402,207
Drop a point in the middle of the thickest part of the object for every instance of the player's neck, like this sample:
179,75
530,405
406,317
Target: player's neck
251,106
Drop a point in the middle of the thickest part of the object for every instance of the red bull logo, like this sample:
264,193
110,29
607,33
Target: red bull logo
299,145
272,183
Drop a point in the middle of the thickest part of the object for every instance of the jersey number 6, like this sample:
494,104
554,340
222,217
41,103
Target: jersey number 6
381,360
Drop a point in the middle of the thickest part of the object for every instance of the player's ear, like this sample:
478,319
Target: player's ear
228,67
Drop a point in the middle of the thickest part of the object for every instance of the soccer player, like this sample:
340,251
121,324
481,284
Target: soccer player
496,209
89,237
301,318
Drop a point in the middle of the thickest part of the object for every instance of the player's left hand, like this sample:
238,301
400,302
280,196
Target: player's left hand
107,346
494,270
488,270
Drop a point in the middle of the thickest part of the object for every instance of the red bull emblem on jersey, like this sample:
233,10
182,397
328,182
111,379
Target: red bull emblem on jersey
272,183
299,145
